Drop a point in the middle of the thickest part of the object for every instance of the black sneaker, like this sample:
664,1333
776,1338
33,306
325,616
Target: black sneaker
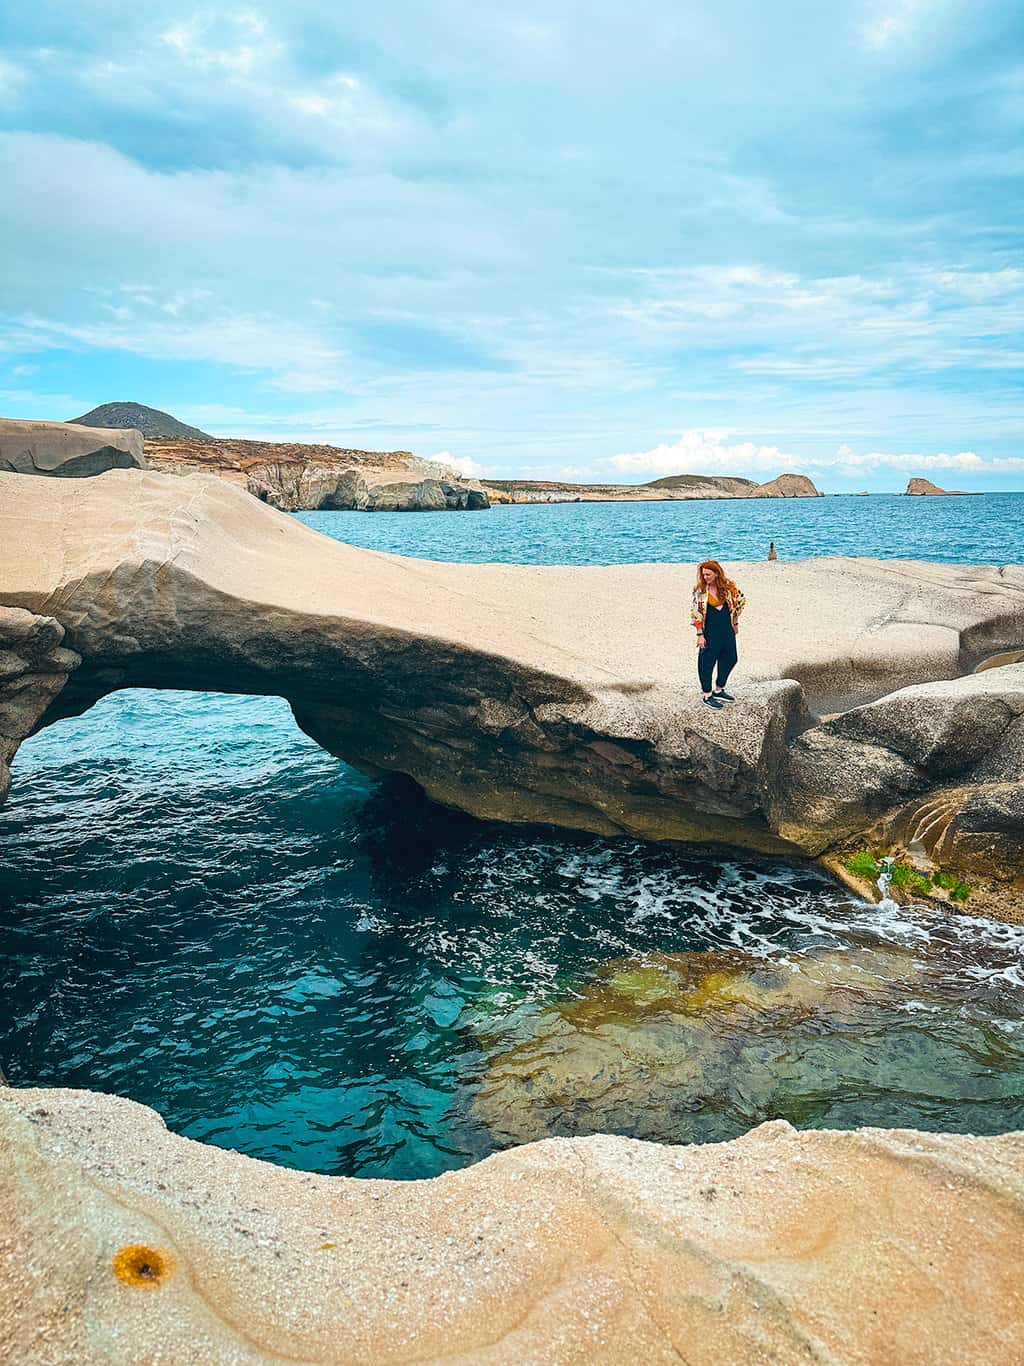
710,702
723,696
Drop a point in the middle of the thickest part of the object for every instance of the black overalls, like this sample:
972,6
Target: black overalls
719,647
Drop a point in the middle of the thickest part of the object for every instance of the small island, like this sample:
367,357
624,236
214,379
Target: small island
919,487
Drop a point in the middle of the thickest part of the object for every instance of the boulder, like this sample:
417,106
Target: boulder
66,449
121,1242
893,762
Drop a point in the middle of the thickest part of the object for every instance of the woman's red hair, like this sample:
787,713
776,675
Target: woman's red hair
725,584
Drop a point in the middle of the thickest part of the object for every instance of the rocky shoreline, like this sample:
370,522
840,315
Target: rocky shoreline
120,1241
673,488
526,694
551,695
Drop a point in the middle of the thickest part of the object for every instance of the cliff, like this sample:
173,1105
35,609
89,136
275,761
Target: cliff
786,486
297,477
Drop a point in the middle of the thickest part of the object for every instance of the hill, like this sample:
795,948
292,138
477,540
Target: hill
151,422
727,482
918,487
670,488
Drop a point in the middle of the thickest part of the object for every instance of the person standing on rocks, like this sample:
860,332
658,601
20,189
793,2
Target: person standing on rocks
715,615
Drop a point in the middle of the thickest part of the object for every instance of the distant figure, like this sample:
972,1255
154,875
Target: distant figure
771,551
715,615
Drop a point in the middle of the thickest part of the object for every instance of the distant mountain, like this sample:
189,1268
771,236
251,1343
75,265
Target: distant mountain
149,421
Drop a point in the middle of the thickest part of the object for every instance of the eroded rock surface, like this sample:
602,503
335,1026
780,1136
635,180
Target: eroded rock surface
936,769
121,1242
296,477
554,694
34,667
66,449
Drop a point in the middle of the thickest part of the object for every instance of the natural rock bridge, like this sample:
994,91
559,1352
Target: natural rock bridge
520,693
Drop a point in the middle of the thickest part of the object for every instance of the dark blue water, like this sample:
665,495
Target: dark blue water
202,910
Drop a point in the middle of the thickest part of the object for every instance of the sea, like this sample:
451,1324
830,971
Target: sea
202,911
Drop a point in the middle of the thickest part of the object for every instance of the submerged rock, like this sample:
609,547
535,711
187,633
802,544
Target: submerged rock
693,1046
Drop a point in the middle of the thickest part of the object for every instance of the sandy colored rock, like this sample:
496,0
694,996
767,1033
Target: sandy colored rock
787,486
528,693
66,450
121,1242
896,768
918,487
34,667
295,476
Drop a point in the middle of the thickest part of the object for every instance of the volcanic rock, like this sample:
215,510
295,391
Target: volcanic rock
151,422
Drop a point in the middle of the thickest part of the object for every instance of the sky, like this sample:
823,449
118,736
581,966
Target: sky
587,241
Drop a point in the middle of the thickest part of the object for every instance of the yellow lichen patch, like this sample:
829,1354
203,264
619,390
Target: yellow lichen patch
145,1268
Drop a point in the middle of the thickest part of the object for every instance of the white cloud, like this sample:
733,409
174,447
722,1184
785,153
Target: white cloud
778,323
968,461
895,21
13,80
297,358
703,451
231,43
708,451
464,464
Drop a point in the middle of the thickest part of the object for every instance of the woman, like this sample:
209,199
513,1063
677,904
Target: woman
717,604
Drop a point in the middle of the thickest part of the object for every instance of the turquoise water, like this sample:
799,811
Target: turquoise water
202,910
980,530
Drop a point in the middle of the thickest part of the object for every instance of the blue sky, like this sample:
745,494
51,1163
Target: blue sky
583,240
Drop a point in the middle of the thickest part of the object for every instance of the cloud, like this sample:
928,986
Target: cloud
462,463
705,452
229,43
968,461
544,240
709,452
181,327
13,80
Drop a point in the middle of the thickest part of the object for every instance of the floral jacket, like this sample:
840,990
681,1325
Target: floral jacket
699,606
